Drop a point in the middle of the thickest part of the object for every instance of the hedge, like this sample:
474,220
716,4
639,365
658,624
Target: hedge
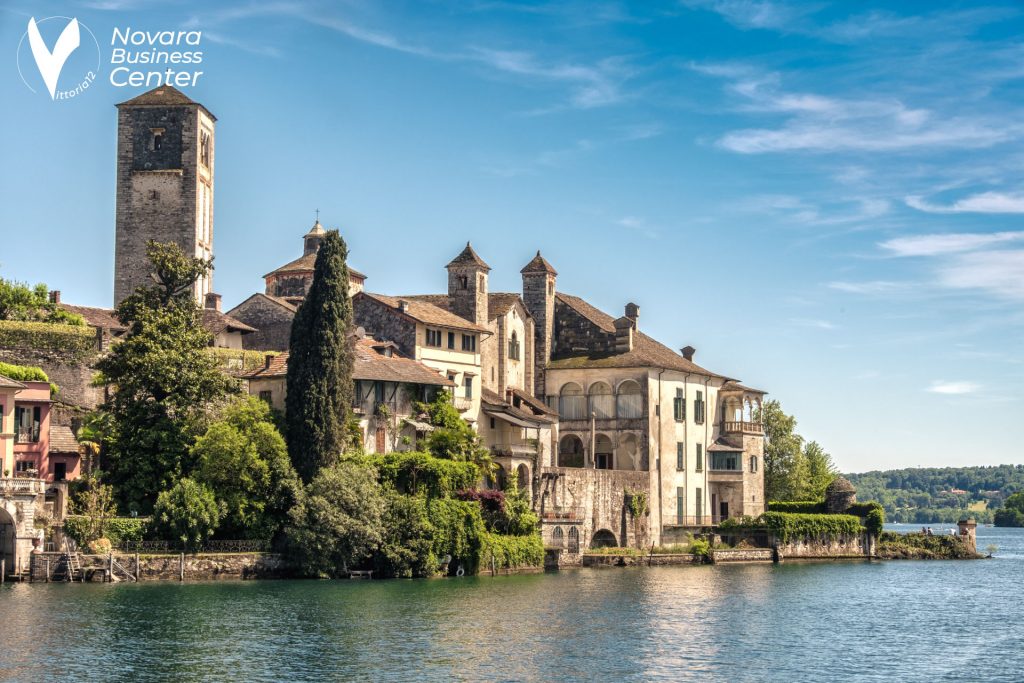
75,340
119,530
920,546
510,552
798,506
240,360
27,373
458,532
787,525
415,472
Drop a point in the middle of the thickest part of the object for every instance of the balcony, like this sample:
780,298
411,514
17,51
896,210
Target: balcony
462,404
741,427
22,485
514,450
692,520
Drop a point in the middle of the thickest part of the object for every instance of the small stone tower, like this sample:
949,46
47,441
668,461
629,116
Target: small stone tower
840,495
539,297
312,239
467,286
165,156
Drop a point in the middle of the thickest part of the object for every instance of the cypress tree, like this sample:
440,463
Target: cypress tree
319,397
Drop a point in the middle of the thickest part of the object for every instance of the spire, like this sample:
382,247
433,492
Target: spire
539,265
469,257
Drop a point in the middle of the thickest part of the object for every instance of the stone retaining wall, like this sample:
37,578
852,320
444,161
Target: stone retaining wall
743,555
201,567
603,560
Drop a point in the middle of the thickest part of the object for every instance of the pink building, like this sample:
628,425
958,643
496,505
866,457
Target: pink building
41,450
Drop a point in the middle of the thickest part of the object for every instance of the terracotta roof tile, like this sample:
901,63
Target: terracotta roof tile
426,312
733,385
62,439
97,317
498,303
216,322
646,351
495,403
8,383
369,365
163,96
306,264
468,257
539,265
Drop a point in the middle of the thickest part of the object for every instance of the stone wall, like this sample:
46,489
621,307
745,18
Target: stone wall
201,567
385,323
640,560
859,545
742,555
272,321
571,331
72,372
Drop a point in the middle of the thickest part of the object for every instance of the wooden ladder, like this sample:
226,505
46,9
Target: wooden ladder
72,566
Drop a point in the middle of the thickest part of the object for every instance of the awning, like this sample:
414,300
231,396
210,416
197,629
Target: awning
513,420
419,426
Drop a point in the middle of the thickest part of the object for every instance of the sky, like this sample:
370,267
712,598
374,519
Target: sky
825,199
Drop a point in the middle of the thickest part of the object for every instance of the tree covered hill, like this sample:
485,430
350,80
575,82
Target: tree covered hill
940,494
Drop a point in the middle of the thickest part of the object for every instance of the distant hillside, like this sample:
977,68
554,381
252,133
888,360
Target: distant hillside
939,494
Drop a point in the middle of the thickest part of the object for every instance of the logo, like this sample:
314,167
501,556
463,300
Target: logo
69,67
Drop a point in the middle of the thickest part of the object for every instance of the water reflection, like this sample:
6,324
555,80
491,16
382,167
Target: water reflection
907,621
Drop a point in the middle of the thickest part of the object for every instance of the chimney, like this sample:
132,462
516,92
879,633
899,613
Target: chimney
624,329
633,313
213,301
403,305
55,296
688,352
267,360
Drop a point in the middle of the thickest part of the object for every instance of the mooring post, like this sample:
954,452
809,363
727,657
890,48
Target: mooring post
47,570
138,574
181,568
3,570
110,566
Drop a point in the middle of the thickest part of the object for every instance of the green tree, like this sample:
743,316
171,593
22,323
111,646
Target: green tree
784,465
164,382
338,522
95,502
18,301
820,471
453,438
187,513
319,396
243,459
407,539
1012,513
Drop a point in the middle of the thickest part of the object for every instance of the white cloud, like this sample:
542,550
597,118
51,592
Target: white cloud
816,324
999,272
985,202
936,245
870,287
953,388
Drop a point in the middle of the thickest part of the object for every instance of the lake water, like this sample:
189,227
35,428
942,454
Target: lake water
878,621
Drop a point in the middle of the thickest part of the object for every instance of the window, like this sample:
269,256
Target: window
680,456
574,540
267,397
557,537
467,383
204,148
698,408
433,338
629,403
680,505
469,342
60,471
378,393
513,347
26,424
493,424
728,462
700,457
753,463
698,501
156,142
451,340
679,406
25,466
463,282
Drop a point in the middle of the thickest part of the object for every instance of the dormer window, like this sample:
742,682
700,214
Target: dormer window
156,140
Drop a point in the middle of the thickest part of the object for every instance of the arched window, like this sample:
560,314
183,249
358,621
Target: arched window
574,540
753,463
627,455
523,477
558,537
629,402
602,401
570,451
603,539
572,404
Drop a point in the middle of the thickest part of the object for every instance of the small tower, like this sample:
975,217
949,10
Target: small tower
968,533
311,240
539,297
840,495
165,158
467,286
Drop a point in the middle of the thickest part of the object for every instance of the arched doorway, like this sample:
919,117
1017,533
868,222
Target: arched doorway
8,540
603,539
570,451
603,459
523,477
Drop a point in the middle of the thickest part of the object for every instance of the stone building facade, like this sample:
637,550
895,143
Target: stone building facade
165,173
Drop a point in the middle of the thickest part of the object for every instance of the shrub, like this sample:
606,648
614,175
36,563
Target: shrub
492,505
700,547
920,546
422,473
874,522
458,532
101,546
408,537
187,513
511,551
797,506
120,531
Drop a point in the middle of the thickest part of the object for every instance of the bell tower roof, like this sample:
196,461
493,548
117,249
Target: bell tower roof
468,257
539,265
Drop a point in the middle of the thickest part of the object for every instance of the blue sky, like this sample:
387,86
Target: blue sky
825,199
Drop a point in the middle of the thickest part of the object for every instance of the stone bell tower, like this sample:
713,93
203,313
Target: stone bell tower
165,156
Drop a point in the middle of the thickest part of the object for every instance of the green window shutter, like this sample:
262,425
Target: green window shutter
680,456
